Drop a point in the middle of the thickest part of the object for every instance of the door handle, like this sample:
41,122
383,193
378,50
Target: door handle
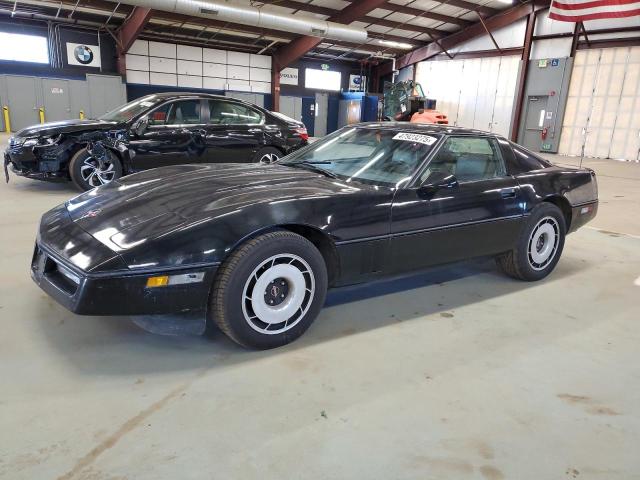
508,192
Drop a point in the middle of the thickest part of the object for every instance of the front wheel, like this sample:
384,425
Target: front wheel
539,245
269,291
90,169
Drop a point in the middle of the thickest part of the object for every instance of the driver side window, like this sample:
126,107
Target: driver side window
184,112
468,158
228,113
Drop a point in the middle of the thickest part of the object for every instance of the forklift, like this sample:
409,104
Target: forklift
406,102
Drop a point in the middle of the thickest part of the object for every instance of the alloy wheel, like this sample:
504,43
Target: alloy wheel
278,294
97,173
269,158
543,243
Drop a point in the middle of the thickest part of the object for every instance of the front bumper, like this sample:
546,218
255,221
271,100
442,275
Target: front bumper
120,292
23,161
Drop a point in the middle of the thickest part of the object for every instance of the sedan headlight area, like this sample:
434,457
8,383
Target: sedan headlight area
44,141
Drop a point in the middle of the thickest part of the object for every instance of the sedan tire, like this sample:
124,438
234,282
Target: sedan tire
269,291
87,172
539,245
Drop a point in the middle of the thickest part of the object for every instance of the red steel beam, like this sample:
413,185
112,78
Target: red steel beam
522,76
476,30
128,32
296,49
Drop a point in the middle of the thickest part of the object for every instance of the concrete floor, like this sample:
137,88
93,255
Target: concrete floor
458,373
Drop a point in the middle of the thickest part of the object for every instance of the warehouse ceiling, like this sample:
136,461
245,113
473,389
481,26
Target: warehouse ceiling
401,26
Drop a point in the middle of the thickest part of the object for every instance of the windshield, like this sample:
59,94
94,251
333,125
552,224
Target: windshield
369,155
132,109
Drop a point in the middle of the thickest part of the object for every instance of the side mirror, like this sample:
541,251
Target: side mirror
438,181
141,126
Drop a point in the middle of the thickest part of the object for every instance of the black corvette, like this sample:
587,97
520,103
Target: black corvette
153,131
257,246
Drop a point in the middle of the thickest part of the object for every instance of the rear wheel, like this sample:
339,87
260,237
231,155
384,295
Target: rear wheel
93,169
539,245
268,155
269,291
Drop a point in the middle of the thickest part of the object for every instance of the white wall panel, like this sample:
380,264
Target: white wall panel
189,67
189,81
604,97
214,70
260,74
160,49
194,67
235,72
137,62
261,87
239,85
162,65
186,52
214,56
238,58
139,47
260,61
134,76
163,79
214,83
475,93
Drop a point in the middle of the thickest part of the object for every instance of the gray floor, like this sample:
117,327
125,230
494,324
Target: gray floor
458,373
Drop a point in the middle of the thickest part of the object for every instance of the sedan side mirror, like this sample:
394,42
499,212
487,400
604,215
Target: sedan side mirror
141,126
438,181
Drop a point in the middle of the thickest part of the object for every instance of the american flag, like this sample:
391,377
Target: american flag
583,10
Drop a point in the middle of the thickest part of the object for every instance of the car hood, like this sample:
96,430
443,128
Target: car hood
156,202
66,126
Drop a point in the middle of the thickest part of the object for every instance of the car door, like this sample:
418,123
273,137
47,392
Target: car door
478,213
234,131
174,134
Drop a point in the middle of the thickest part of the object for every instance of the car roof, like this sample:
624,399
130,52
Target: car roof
422,128
178,95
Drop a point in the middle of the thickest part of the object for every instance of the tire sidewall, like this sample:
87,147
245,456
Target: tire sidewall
538,213
76,163
233,294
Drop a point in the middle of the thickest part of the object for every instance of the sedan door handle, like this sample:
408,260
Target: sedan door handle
508,192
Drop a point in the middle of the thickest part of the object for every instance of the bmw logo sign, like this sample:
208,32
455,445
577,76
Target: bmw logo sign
83,54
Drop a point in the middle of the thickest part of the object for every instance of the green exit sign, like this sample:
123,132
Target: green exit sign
546,146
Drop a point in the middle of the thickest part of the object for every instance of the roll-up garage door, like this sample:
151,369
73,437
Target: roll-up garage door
601,116
475,93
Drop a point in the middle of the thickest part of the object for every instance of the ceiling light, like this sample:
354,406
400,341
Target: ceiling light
390,43
508,2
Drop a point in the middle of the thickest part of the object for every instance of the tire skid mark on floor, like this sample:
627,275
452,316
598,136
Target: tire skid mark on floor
127,427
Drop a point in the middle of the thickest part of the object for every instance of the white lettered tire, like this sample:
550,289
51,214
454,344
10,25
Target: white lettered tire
269,290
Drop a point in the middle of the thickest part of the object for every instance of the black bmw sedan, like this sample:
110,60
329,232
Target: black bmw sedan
153,131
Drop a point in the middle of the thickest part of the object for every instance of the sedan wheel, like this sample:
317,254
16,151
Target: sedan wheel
269,158
267,155
87,171
96,174
269,290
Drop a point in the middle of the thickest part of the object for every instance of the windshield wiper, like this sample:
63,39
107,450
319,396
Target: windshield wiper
312,166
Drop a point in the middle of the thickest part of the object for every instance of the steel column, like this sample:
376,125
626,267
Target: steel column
128,32
522,77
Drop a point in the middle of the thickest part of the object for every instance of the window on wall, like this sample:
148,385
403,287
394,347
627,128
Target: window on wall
322,79
23,48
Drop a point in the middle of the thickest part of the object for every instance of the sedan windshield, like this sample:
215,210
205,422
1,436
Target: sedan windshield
132,109
376,156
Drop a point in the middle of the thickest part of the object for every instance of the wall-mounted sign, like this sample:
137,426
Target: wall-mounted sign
83,55
357,83
555,62
542,63
57,90
289,76
324,66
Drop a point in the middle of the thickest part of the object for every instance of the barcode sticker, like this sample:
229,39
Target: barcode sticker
416,137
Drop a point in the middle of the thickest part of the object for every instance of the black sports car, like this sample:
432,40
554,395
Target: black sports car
257,246
152,131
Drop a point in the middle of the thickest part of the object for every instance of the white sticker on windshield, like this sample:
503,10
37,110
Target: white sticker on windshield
415,137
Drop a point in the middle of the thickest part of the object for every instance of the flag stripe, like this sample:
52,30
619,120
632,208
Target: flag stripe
594,16
591,4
